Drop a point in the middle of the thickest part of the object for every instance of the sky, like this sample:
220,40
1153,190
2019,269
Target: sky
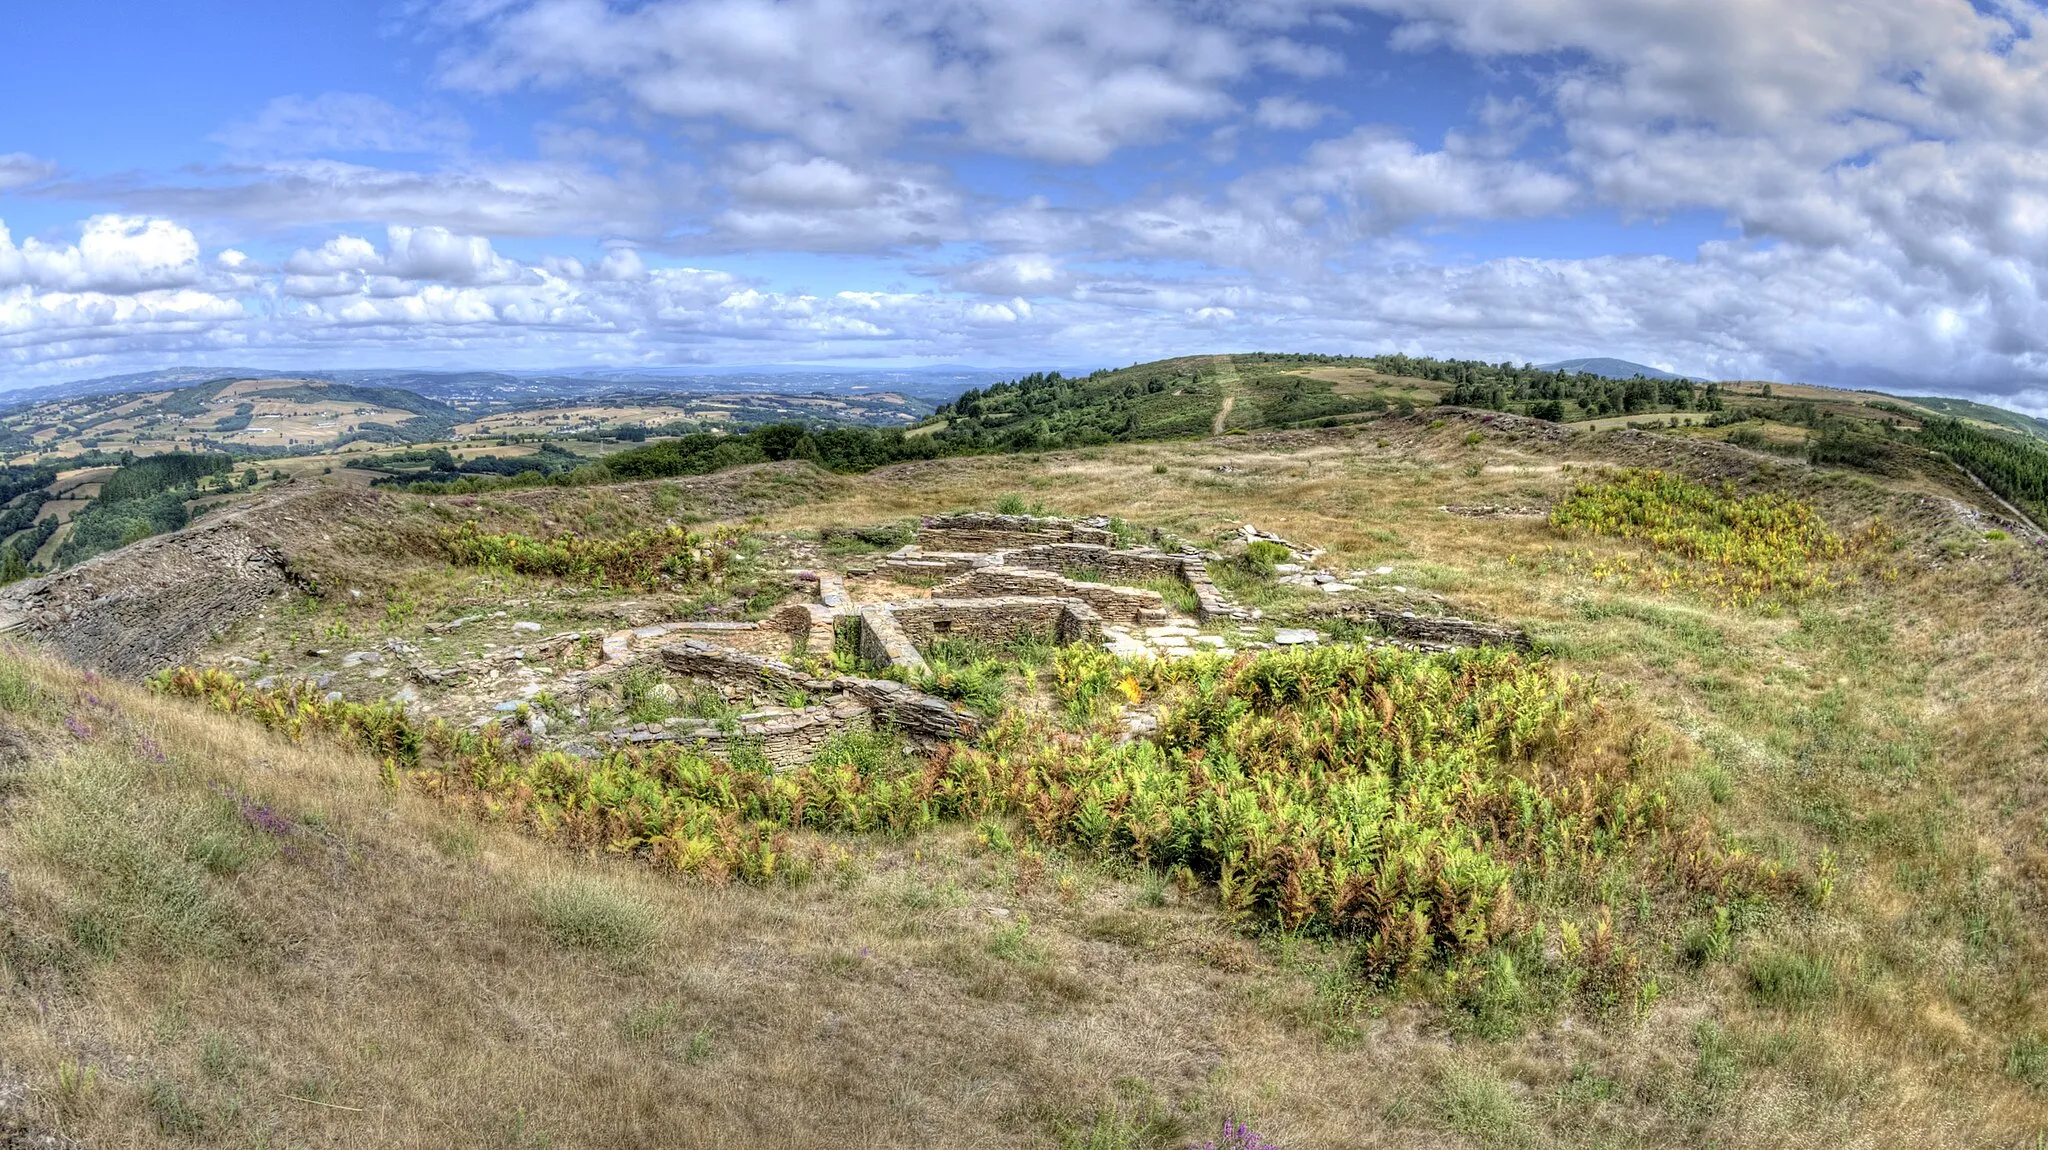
1842,191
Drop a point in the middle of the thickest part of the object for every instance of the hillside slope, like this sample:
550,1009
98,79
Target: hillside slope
218,935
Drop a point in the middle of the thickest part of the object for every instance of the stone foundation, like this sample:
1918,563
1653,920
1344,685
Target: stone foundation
1133,605
1008,619
787,738
946,564
883,641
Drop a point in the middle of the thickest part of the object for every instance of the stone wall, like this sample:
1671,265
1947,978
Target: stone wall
978,531
884,641
1001,620
1134,565
1130,605
1436,632
1141,566
946,564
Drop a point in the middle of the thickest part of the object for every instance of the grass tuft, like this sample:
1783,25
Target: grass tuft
1480,1106
586,913
1791,979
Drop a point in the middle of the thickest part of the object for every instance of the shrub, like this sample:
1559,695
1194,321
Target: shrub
588,914
1707,942
1178,595
1391,797
2027,1061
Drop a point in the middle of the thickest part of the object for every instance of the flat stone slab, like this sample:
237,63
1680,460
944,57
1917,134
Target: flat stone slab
1295,636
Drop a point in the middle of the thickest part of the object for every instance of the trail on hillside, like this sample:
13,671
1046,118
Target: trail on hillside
1226,378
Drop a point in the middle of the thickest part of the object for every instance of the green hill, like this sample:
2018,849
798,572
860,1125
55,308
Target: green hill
1981,412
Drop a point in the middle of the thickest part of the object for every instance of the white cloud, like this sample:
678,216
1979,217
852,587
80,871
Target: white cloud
19,170
346,264
113,254
1070,81
340,122
1284,113
524,198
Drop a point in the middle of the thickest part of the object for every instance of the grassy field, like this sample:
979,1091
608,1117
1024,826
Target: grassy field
217,936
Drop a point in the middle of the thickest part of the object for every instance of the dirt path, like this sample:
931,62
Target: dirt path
1226,378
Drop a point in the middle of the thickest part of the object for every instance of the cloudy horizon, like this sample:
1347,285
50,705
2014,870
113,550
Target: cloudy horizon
1846,194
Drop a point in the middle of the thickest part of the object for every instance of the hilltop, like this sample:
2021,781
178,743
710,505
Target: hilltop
1115,764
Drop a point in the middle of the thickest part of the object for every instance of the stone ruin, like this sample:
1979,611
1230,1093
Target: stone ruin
999,579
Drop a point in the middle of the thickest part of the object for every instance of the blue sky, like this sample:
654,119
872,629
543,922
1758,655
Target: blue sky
1736,188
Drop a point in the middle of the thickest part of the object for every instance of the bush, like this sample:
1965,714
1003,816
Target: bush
2027,1061
1387,796
1478,1105
1740,548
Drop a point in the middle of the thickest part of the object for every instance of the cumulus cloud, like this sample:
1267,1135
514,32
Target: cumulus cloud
1883,168
780,197
349,264
120,254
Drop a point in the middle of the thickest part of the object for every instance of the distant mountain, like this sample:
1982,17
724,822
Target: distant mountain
496,388
1611,368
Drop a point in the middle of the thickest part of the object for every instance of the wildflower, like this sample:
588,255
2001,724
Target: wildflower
77,727
1239,1136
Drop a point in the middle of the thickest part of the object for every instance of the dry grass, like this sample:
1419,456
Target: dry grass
401,963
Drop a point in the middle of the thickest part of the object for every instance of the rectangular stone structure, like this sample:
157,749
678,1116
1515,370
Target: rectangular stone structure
1115,604
999,620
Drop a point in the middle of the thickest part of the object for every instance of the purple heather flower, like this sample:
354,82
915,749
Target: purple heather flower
77,728
151,751
1239,1136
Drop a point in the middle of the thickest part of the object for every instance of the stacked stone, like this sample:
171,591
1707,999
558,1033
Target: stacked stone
788,738
1000,619
883,640
1114,604
978,531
